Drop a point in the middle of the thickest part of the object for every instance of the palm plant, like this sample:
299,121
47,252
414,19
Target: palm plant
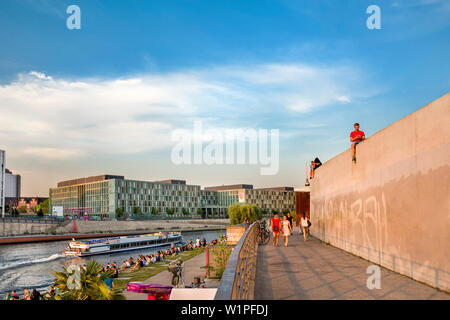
86,284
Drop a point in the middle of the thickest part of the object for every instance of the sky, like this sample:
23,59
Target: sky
106,98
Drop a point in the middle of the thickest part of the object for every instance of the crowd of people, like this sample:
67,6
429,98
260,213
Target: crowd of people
34,295
141,261
144,260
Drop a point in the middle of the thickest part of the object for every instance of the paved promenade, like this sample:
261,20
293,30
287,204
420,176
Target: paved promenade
314,270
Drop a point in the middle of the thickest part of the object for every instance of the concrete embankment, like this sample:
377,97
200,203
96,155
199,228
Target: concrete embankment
14,227
135,225
97,229
392,206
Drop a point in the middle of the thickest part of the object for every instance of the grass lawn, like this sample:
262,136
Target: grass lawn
151,270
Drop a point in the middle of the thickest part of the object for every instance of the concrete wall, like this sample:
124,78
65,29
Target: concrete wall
8,229
23,228
154,225
393,206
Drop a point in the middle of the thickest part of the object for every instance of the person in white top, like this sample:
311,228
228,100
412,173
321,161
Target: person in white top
304,223
286,230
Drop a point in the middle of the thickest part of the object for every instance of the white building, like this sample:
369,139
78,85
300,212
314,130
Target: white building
12,185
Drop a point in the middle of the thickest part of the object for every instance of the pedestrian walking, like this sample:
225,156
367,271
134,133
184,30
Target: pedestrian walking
290,219
305,226
275,223
286,230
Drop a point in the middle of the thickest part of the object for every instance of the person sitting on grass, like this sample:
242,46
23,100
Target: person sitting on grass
137,265
356,137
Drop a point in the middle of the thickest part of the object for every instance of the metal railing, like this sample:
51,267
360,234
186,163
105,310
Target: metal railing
238,280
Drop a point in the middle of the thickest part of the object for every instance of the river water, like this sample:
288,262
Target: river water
31,265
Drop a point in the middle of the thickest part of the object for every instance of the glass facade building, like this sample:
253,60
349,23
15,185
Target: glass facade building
103,195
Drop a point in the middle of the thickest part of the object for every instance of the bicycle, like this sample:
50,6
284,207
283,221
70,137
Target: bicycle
263,234
177,270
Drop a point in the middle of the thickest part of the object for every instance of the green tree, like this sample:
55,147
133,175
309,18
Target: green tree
201,213
119,213
23,209
45,206
221,253
293,214
137,211
89,284
185,212
238,212
170,211
155,211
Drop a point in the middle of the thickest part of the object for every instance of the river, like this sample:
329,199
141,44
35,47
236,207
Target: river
31,265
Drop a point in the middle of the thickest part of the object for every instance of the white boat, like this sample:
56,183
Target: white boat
83,248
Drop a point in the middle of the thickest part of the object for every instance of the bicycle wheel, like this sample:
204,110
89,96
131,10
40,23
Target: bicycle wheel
266,237
175,280
260,238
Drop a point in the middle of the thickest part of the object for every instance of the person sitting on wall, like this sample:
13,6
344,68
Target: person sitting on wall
356,137
314,165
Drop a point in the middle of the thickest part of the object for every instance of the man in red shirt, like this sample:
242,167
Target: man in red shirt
356,137
276,224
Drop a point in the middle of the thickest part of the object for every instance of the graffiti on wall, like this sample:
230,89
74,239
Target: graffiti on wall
361,227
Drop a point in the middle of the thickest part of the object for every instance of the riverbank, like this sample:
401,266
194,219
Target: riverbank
112,226
31,265
103,229
148,273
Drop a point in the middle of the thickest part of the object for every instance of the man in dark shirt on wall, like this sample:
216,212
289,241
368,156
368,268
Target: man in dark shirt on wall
356,137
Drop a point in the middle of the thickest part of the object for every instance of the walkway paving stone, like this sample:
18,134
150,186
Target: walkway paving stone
314,270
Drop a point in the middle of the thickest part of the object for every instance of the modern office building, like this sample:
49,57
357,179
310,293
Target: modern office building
102,195
12,184
277,198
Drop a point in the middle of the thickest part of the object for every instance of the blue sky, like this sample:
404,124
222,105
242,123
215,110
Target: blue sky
104,99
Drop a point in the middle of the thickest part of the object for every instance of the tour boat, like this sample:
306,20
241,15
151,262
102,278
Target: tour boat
118,244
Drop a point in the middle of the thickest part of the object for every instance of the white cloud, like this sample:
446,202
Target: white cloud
59,118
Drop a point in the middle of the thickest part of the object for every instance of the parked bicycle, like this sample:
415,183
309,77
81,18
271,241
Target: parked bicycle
263,233
176,268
